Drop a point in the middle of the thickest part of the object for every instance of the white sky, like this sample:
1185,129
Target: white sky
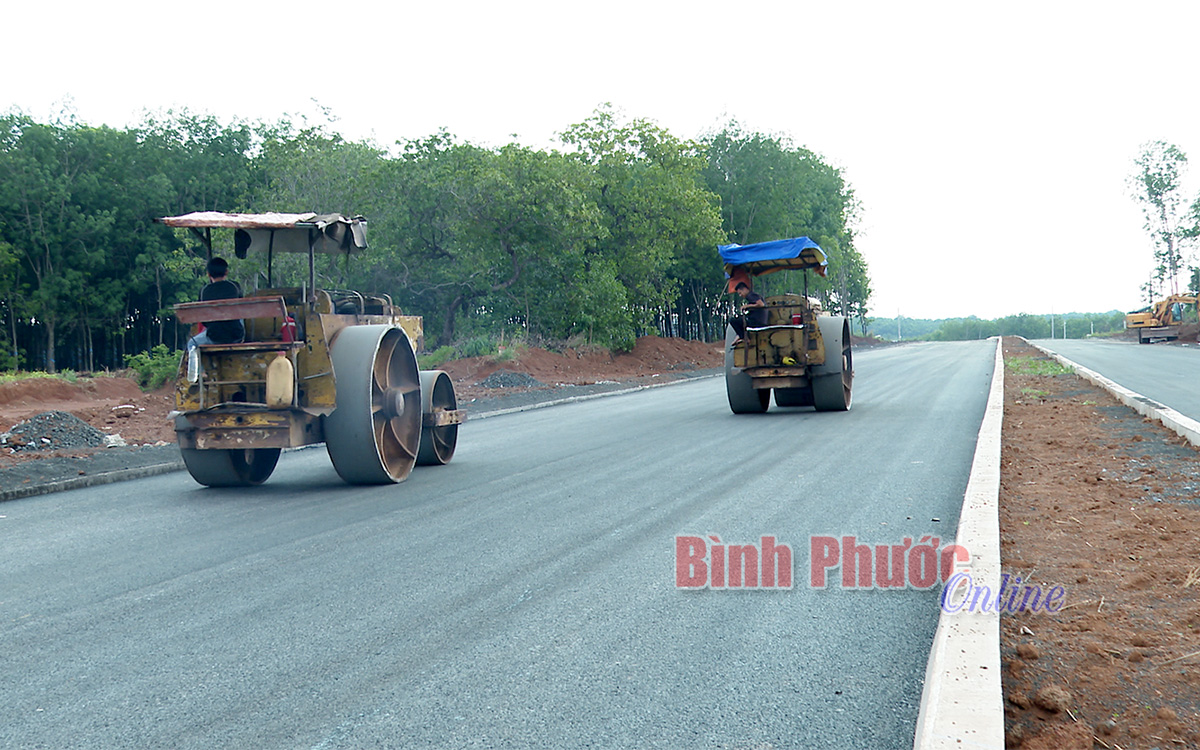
989,143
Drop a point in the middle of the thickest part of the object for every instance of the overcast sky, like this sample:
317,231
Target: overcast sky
990,143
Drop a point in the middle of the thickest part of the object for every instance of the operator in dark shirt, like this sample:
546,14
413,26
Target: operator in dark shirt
219,287
753,306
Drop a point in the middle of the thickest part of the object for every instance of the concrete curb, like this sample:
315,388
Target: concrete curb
90,480
142,472
1184,426
962,703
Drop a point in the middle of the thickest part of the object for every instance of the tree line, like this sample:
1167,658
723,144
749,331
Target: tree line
610,235
1069,325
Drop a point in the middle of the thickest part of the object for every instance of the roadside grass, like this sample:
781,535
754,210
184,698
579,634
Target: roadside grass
1035,366
436,358
69,376
499,350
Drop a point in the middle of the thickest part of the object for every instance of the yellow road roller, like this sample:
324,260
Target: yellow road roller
313,366
783,343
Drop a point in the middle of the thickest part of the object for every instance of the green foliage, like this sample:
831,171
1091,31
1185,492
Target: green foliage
609,239
509,353
964,329
480,346
484,235
770,189
69,376
436,358
904,329
155,367
1075,325
649,187
602,306
8,361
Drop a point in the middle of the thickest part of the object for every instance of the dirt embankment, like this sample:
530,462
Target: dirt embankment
652,355
113,405
1102,502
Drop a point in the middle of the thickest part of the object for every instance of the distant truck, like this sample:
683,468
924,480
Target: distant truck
1160,321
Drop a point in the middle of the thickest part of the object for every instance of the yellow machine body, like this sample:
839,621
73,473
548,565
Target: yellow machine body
779,354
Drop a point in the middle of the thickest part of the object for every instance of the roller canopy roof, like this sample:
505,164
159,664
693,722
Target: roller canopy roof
286,233
744,261
776,255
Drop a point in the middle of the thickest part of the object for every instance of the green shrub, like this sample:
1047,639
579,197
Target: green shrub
480,346
436,358
154,367
9,361
12,377
510,352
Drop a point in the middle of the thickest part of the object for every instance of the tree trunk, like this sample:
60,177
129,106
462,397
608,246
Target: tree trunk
12,328
50,364
158,287
91,359
448,324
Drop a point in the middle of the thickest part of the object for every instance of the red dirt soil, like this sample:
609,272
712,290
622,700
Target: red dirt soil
652,355
1102,502
94,400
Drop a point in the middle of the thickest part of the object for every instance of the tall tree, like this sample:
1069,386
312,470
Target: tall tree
52,208
486,232
1157,187
10,355
770,190
207,165
650,190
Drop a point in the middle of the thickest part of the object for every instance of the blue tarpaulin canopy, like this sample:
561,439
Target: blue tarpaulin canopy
769,257
738,255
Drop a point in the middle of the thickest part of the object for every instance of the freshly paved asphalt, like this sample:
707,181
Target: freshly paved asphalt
1166,373
522,596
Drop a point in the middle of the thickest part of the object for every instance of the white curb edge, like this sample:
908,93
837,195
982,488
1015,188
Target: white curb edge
962,703
1185,427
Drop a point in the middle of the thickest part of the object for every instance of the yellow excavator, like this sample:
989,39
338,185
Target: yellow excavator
1160,321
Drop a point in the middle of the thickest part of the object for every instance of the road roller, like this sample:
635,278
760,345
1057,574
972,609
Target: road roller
790,347
314,366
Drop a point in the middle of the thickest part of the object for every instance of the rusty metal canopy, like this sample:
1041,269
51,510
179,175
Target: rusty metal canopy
280,232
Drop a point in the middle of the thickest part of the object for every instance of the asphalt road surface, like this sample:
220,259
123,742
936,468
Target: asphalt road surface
521,596
1166,373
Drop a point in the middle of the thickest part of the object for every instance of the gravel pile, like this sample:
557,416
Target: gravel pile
51,430
509,379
